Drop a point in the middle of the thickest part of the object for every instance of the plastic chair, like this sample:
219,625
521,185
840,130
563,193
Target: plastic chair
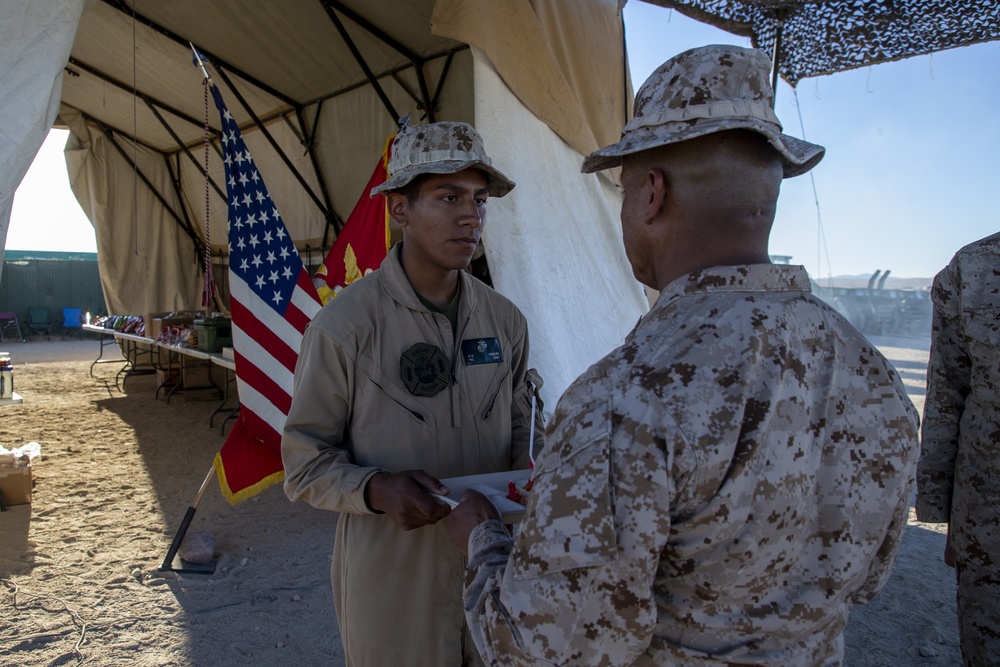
39,323
72,322
9,321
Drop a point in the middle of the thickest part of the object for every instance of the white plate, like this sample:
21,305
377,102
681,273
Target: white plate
493,485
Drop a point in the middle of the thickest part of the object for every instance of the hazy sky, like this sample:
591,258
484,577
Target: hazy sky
910,172
909,177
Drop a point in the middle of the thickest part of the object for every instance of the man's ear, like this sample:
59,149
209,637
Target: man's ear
398,206
655,194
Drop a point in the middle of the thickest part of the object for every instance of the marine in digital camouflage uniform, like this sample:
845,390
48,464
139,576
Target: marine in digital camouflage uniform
726,484
958,477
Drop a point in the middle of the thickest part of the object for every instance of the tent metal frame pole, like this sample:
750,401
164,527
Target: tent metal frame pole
274,144
444,77
625,76
199,246
372,79
309,137
148,99
297,131
185,150
175,181
118,131
185,43
332,218
406,89
418,62
779,28
399,68
311,133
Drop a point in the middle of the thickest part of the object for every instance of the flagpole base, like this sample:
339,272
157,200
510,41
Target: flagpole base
181,566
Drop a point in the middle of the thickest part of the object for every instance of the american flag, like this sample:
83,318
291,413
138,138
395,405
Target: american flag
272,299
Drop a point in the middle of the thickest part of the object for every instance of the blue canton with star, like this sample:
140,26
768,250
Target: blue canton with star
261,251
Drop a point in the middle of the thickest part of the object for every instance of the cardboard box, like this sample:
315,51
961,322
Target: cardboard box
167,378
148,321
196,374
15,484
15,554
155,322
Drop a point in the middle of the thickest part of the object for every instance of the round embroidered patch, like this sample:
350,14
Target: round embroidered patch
424,369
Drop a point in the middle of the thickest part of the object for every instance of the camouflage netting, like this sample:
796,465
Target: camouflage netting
826,36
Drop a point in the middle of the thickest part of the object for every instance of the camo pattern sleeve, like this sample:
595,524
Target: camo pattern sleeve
958,477
718,490
591,533
949,372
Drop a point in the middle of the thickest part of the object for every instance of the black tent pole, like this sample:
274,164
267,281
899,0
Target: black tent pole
778,29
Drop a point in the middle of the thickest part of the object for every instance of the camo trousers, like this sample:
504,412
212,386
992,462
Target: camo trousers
979,605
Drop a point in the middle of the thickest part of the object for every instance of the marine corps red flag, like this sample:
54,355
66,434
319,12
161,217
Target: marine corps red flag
363,243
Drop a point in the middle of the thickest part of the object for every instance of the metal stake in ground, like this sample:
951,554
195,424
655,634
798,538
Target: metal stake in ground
181,565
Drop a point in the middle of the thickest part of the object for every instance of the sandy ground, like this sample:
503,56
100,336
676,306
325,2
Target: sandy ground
79,568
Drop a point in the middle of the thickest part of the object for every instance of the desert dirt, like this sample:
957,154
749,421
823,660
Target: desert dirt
80,578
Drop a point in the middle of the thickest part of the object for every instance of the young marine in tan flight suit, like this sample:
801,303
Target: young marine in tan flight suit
415,373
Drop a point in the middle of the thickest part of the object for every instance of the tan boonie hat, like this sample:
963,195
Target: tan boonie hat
440,148
702,91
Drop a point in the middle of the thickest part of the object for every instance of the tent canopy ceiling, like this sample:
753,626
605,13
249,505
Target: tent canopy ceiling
281,57
824,36
323,82
317,86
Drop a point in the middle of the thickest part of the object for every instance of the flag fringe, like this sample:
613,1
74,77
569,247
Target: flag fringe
245,493
385,166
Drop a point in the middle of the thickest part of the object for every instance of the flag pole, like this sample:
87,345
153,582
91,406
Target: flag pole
197,57
209,290
167,565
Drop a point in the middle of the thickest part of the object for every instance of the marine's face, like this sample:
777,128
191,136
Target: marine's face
442,225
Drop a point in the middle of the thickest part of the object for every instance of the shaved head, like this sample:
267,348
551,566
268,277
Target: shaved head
724,178
720,194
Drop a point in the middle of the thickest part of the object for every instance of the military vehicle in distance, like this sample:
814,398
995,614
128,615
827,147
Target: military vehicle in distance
879,311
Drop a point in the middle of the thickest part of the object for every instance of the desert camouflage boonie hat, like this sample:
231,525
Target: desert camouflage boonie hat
440,148
701,91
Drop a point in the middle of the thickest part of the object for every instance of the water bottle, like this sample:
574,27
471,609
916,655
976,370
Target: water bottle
6,376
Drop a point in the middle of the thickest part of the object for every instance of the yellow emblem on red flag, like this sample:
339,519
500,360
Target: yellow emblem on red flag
363,242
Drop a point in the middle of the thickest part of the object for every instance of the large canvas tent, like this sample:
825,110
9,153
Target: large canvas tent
317,86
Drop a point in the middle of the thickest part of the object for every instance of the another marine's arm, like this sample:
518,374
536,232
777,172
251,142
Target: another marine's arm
579,587
948,385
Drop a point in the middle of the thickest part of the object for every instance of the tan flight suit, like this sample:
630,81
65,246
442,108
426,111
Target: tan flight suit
398,594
